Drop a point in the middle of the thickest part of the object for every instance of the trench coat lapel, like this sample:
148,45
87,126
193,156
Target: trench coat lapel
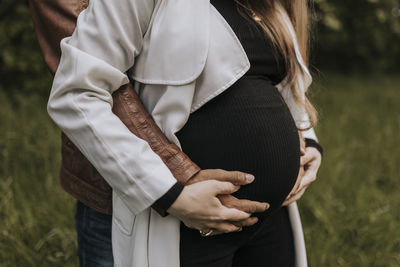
226,62
178,49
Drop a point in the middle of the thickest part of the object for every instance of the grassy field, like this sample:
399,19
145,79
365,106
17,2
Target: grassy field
351,214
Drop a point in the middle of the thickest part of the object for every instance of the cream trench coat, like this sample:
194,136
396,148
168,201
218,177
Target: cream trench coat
180,54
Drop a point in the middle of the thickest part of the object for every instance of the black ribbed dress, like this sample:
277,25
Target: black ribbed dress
248,127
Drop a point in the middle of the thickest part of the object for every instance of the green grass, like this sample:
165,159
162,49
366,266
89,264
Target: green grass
36,216
350,214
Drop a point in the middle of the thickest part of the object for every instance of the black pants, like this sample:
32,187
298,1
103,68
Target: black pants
267,243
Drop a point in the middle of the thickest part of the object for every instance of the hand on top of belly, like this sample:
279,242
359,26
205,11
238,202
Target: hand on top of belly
206,202
236,178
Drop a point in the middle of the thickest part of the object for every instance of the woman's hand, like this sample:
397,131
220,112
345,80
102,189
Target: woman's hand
310,163
229,201
198,207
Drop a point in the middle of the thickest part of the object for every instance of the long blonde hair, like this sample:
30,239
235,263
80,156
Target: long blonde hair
265,13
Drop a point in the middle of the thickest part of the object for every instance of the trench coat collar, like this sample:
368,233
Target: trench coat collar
178,49
180,36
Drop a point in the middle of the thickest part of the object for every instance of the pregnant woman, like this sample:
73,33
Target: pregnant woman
228,88
249,128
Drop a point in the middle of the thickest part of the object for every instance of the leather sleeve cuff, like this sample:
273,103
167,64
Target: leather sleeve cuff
313,143
182,167
164,202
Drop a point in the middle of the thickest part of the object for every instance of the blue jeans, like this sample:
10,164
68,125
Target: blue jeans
94,237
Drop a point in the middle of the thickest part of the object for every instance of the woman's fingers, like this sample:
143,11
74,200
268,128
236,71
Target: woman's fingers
223,227
294,197
298,195
231,214
216,232
302,151
311,171
248,222
288,201
312,154
198,204
297,184
306,158
220,227
309,177
245,205
311,161
222,188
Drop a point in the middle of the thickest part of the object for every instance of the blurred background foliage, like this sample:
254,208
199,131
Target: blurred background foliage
357,35
22,68
348,36
350,215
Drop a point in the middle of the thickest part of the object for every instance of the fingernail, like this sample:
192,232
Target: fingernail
266,206
249,177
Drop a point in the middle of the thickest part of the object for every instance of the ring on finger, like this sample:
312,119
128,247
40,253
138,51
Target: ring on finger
206,232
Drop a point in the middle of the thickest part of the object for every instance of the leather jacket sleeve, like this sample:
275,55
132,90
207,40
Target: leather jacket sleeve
53,20
56,19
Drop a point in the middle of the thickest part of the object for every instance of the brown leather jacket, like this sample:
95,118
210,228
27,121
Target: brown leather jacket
54,20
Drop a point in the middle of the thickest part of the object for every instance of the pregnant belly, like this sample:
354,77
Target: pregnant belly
247,128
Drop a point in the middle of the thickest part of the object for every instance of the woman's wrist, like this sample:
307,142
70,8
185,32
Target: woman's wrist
312,143
164,202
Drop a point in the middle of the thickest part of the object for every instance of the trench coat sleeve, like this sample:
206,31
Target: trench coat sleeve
311,137
310,133
93,64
